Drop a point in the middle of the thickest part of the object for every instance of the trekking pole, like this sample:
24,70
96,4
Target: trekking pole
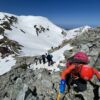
58,96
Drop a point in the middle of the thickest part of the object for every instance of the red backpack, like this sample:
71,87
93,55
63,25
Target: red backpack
86,72
83,71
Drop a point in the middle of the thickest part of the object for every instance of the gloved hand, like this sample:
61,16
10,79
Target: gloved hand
62,86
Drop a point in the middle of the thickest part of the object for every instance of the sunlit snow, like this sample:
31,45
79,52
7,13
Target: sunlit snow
6,64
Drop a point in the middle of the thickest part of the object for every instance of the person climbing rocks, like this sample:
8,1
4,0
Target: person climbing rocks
49,59
77,73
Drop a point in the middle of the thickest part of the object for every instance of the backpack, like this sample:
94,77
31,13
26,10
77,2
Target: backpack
86,72
83,71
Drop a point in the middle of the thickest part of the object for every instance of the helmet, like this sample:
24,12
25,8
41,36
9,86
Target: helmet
82,57
86,72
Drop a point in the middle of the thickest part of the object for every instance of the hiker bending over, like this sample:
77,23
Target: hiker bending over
77,72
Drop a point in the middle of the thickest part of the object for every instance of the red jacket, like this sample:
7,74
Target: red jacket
74,71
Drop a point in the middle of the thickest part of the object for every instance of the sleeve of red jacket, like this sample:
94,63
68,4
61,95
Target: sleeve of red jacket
97,73
66,71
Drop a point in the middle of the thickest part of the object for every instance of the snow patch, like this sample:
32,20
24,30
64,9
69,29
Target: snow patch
6,64
76,32
1,37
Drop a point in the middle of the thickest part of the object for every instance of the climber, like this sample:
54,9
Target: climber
49,59
77,73
44,59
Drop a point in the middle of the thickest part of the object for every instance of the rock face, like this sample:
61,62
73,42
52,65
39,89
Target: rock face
26,84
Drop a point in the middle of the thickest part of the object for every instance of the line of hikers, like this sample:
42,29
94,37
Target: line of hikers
45,58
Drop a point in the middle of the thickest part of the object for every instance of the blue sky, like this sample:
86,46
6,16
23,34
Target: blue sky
62,12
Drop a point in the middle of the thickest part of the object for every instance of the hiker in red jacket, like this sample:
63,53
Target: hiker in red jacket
77,72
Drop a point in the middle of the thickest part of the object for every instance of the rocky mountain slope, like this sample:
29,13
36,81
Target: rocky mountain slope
21,82
89,42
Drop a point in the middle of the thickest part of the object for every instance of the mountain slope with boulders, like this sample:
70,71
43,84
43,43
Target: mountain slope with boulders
23,83
22,38
88,42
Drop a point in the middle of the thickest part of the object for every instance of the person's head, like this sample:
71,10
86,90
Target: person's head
79,57
83,57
